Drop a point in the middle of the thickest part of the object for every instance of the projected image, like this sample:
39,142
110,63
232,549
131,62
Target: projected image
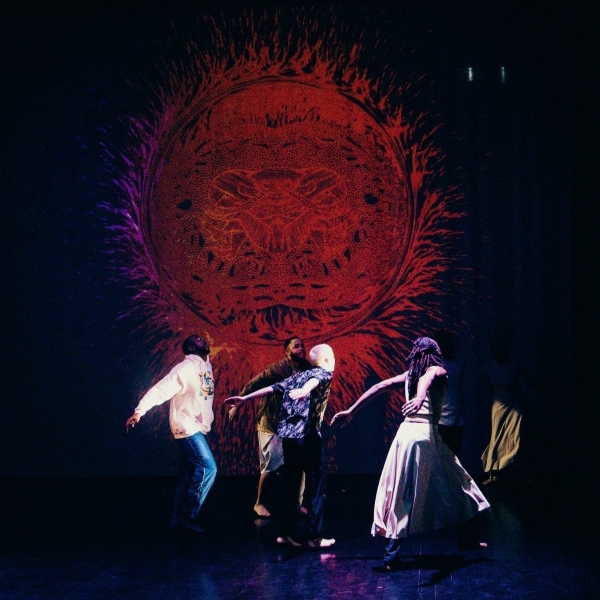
285,183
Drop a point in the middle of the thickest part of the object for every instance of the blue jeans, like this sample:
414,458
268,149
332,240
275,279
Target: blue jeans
197,473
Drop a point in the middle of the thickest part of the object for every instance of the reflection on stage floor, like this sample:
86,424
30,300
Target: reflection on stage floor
109,538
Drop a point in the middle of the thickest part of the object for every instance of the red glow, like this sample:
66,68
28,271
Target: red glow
284,191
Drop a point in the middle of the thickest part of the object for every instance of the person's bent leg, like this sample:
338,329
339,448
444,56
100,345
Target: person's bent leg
197,451
264,485
315,489
391,556
271,459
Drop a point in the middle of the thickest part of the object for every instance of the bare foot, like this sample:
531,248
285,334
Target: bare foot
288,541
261,511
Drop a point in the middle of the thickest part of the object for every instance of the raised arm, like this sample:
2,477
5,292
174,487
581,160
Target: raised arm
345,416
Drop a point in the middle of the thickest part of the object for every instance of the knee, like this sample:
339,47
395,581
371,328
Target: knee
211,470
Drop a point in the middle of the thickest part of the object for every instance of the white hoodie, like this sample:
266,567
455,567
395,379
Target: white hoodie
190,387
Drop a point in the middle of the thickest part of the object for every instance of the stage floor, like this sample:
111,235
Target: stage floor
109,538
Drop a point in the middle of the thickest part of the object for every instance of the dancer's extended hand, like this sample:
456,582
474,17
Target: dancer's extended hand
235,401
342,418
132,421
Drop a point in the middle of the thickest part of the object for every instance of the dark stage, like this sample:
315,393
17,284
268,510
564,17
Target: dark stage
458,141
108,538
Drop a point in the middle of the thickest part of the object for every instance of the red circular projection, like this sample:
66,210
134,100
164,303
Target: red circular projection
285,183
274,201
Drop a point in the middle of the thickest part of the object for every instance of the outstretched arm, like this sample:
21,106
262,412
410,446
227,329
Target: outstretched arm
305,390
345,416
162,391
239,400
272,374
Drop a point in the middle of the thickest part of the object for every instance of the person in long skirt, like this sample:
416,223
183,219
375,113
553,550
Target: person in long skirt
503,375
423,487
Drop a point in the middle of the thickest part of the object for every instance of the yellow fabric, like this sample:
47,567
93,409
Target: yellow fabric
505,439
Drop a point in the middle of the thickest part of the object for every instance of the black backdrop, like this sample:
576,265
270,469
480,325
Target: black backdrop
73,370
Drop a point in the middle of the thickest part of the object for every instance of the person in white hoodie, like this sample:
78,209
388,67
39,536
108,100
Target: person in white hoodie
190,387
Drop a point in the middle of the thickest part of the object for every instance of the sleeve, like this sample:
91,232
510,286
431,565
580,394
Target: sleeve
299,379
287,384
164,390
322,375
271,375
279,387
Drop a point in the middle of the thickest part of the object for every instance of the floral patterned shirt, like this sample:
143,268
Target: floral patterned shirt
300,418
267,416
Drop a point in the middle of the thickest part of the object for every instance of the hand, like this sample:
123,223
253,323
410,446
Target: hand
412,406
342,418
299,394
233,412
132,421
235,401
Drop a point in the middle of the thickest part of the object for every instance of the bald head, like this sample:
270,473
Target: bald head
322,356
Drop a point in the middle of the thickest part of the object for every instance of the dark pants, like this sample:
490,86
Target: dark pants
303,455
392,551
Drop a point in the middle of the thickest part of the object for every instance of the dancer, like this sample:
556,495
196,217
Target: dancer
267,417
303,405
503,375
423,487
190,387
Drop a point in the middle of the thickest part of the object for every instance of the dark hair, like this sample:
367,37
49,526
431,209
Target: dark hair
289,341
425,353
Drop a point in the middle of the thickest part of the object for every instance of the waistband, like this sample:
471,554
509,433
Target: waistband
420,419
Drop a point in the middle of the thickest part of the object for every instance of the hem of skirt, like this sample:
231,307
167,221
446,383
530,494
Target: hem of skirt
381,532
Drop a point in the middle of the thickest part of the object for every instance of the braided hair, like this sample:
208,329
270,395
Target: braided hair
425,353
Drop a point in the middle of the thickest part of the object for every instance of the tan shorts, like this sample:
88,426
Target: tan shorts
270,451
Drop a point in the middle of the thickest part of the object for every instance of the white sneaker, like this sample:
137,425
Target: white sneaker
321,543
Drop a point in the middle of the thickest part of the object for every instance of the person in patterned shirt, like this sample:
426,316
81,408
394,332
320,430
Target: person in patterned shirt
303,405
267,417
